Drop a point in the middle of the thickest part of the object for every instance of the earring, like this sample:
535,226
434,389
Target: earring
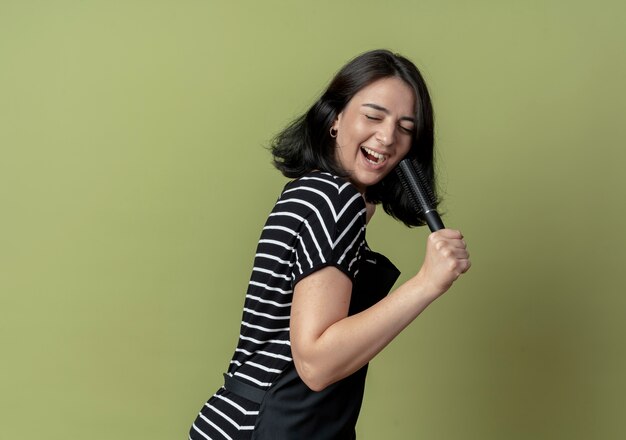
333,132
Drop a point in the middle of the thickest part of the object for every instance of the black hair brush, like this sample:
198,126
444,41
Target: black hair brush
419,193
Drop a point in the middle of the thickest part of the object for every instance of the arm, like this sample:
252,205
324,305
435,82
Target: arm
328,345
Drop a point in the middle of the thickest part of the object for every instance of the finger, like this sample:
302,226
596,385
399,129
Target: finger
453,252
460,254
448,233
443,245
456,243
465,265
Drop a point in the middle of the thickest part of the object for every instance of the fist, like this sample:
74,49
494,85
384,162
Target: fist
446,259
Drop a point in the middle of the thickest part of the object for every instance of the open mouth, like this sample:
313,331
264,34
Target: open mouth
372,156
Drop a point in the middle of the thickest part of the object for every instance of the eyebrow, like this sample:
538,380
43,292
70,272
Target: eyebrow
384,110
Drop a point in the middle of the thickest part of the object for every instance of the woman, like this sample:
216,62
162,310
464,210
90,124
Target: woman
317,310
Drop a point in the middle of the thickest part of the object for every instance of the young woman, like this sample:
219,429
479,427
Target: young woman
317,310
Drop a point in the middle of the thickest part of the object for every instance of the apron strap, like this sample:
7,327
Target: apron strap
242,389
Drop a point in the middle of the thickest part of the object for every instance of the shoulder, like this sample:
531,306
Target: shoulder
324,191
327,216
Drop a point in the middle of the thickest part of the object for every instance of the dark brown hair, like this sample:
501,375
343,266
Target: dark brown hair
306,145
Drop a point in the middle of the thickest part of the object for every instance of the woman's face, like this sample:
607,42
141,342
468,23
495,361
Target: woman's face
375,130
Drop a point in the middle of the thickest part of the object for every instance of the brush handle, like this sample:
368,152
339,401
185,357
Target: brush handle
433,220
417,186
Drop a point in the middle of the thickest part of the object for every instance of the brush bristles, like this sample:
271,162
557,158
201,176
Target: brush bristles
409,192
414,183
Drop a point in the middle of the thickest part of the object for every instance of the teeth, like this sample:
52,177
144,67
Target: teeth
380,158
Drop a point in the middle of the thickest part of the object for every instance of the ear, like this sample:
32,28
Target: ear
337,121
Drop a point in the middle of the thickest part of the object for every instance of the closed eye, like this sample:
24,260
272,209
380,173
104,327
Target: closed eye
373,118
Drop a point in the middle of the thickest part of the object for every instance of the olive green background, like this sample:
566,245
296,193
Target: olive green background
134,182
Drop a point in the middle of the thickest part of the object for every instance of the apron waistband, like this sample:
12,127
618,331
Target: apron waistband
242,389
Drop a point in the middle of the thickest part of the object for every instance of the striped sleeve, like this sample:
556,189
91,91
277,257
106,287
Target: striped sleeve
330,231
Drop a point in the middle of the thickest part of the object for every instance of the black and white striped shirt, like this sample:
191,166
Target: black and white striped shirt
318,221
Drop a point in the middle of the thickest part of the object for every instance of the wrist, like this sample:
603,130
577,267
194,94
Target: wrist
425,290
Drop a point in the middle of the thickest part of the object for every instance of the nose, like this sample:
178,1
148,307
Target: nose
386,134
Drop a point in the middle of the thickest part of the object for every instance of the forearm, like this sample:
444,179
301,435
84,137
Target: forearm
351,342
328,345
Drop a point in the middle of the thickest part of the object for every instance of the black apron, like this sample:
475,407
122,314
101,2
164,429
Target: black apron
290,410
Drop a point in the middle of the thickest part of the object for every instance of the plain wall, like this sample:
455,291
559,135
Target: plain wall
134,182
